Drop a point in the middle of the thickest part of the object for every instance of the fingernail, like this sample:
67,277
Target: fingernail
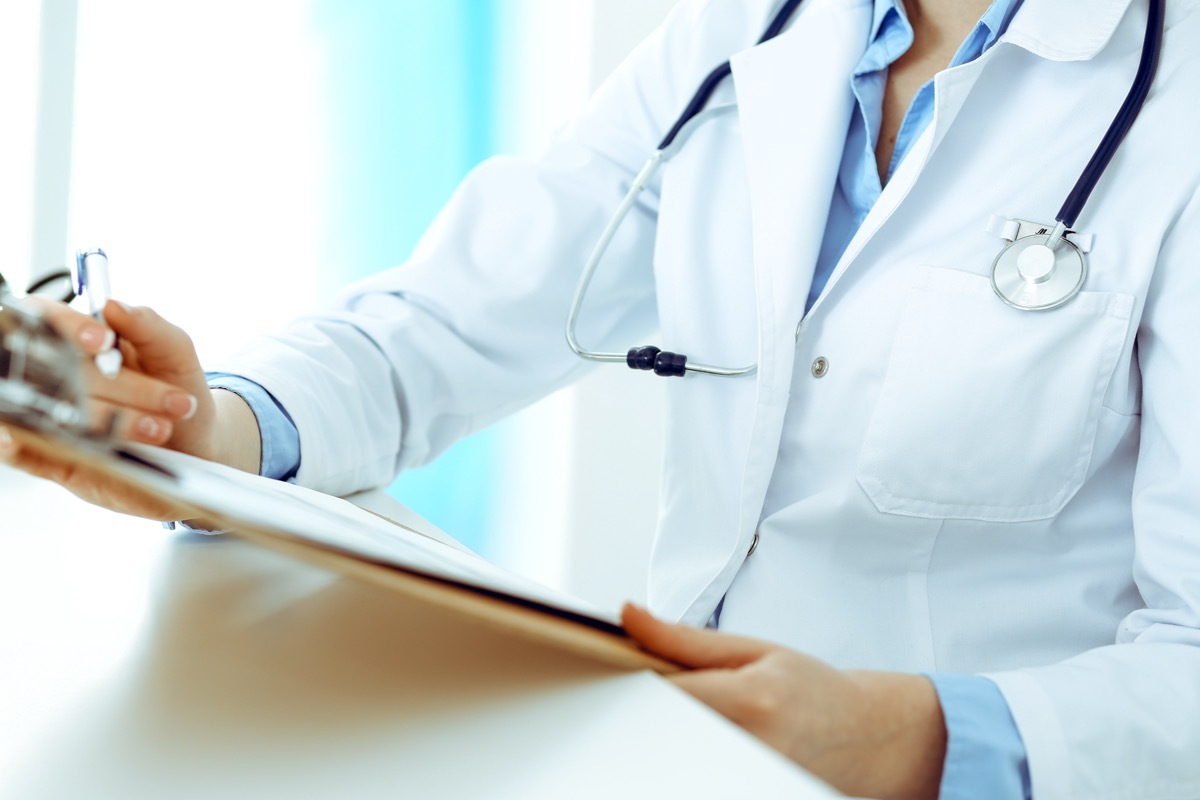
180,405
109,363
7,445
128,309
150,428
97,337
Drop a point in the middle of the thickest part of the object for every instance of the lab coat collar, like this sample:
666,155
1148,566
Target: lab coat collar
795,129
794,103
1065,30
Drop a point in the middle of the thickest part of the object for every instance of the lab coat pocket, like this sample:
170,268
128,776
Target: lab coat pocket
988,412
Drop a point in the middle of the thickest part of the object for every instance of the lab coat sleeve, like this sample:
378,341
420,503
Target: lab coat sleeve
471,328
1123,721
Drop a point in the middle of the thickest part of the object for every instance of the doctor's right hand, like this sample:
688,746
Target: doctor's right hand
159,397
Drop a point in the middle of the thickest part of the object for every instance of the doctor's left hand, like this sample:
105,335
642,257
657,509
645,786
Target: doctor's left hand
868,734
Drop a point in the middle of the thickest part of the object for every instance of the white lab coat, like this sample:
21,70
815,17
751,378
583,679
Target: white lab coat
976,488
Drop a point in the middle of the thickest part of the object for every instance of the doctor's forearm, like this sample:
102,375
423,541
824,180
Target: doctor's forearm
237,442
906,732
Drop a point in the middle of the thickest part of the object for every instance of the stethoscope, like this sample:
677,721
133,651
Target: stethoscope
1038,270
58,284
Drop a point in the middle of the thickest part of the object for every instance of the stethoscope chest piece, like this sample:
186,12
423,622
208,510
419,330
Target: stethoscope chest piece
1031,275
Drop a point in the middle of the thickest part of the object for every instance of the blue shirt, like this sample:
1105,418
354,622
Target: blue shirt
280,457
985,757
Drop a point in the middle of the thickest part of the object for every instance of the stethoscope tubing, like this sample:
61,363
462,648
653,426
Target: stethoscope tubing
589,269
714,78
669,144
643,178
1072,207
673,364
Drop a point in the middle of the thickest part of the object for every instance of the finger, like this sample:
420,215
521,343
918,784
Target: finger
162,348
691,647
85,332
129,424
129,357
13,455
84,483
141,392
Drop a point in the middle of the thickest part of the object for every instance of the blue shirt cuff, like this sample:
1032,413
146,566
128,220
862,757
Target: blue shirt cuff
985,757
280,439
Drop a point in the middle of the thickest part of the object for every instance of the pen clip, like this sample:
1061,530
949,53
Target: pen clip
81,276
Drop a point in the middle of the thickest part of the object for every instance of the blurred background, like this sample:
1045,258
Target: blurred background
239,160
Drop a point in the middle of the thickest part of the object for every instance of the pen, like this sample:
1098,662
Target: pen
91,278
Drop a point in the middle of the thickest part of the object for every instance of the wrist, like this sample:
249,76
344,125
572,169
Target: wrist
907,731
237,439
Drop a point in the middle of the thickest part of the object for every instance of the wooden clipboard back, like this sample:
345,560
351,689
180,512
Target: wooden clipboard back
529,620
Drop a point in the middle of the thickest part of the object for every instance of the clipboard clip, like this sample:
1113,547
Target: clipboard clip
41,379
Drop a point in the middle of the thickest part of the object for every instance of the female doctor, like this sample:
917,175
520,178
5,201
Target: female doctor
968,498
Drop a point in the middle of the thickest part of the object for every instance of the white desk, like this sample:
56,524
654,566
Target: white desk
140,664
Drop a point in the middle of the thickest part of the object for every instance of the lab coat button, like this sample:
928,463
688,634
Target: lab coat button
820,367
753,545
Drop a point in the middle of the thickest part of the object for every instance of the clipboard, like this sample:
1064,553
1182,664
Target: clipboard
336,535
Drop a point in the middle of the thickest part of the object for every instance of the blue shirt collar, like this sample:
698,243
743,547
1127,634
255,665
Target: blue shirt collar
882,9
994,21
890,20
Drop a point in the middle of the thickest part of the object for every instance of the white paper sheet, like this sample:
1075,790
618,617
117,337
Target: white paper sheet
330,521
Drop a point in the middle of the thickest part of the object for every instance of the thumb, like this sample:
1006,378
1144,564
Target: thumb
163,350
688,646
